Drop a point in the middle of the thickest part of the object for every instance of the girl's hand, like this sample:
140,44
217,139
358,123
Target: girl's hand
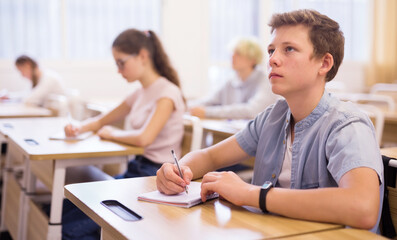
72,130
107,132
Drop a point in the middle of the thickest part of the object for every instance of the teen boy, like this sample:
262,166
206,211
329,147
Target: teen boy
311,149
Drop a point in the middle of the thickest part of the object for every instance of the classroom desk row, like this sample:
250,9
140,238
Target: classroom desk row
19,110
211,220
215,219
31,150
221,129
47,161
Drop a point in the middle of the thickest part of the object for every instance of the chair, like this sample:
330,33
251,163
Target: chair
68,104
389,209
76,106
387,89
58,104
384,102
193,135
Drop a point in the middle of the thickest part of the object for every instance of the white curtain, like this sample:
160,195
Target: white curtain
229,19
71,29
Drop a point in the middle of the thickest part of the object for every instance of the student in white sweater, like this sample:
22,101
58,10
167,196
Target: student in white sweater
44,82
243,96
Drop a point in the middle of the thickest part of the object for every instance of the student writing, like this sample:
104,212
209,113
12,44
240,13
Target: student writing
44,82
153,114
316,151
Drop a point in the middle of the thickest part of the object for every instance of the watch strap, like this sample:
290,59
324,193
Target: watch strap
262,198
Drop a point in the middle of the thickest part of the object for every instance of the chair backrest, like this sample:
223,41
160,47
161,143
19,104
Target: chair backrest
384,102
389,209
76,105
69,103
387,89
193,135
375,114
58,104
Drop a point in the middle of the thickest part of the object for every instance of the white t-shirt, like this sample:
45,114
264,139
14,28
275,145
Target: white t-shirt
284,180
49,83
143,104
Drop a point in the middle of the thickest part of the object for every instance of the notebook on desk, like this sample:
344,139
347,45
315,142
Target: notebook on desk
183,199
62,136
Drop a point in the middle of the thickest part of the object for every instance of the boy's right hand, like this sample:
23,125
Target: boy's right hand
71,130
168,180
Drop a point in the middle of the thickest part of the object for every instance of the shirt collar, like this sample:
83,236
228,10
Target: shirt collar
319,111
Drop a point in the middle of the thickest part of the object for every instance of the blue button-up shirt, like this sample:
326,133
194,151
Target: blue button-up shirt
335,138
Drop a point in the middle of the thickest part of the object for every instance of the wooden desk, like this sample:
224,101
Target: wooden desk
390,128
48,159
216,219
221,128
390,152
345,233
20,110
217,130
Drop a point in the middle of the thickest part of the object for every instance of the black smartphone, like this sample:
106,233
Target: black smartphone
120,210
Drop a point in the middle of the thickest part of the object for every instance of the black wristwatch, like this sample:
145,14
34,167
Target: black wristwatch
262,195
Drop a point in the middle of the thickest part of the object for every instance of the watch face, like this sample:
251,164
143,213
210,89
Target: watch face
267,184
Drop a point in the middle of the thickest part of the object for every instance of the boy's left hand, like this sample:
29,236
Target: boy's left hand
228,185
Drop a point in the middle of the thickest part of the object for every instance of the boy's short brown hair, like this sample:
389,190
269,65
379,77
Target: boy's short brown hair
324,33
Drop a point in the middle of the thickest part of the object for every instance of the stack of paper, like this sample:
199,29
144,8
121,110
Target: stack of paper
62,136
182,199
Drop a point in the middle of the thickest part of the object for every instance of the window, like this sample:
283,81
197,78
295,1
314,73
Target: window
30,27
71,29
352,16
229,19
92,25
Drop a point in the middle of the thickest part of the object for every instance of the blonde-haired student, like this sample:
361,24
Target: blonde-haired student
153,113
310,149
244,95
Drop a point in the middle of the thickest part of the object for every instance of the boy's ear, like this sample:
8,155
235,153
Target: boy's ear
327,63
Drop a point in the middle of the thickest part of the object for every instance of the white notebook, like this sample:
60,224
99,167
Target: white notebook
183,199
62,136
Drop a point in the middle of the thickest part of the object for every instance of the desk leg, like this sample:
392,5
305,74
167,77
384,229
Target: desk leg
6,173
28,187
55,231
208,139
28,178
105,235
57,193
3,200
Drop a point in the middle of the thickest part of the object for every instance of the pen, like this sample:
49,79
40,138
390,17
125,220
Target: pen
69,118
179,169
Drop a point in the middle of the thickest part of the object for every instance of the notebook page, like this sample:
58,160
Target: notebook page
182,199
62,136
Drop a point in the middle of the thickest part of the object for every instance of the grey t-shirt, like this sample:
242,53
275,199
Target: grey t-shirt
334,139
